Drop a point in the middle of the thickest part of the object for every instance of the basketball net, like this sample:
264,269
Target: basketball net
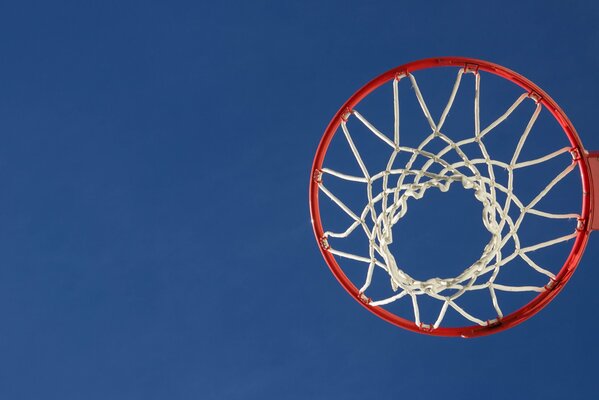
388,206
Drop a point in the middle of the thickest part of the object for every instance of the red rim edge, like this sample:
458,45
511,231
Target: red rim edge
588,165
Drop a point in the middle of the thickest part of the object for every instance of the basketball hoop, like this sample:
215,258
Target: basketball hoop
389,191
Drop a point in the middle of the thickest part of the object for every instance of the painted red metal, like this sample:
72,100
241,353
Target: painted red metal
593,161
588,165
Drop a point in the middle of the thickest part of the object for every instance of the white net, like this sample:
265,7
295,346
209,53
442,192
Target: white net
388,203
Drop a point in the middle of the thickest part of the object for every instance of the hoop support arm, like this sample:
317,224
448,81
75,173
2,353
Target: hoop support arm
593,162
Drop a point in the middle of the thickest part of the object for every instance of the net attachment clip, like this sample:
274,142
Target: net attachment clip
317,176
324,242
581,224
401,74
471,68
363,298
551,284
346,114
426,327
575,154
535,96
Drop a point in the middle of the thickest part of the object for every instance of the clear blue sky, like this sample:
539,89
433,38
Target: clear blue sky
155,239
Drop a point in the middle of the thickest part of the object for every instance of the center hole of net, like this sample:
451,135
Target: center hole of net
441,235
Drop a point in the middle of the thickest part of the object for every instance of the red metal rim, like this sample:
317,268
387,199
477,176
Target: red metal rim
580,242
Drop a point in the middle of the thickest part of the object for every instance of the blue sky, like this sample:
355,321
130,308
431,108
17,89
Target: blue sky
155,238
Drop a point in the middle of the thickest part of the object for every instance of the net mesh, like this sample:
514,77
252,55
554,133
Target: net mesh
388,203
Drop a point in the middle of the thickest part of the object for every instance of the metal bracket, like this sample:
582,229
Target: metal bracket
593,162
